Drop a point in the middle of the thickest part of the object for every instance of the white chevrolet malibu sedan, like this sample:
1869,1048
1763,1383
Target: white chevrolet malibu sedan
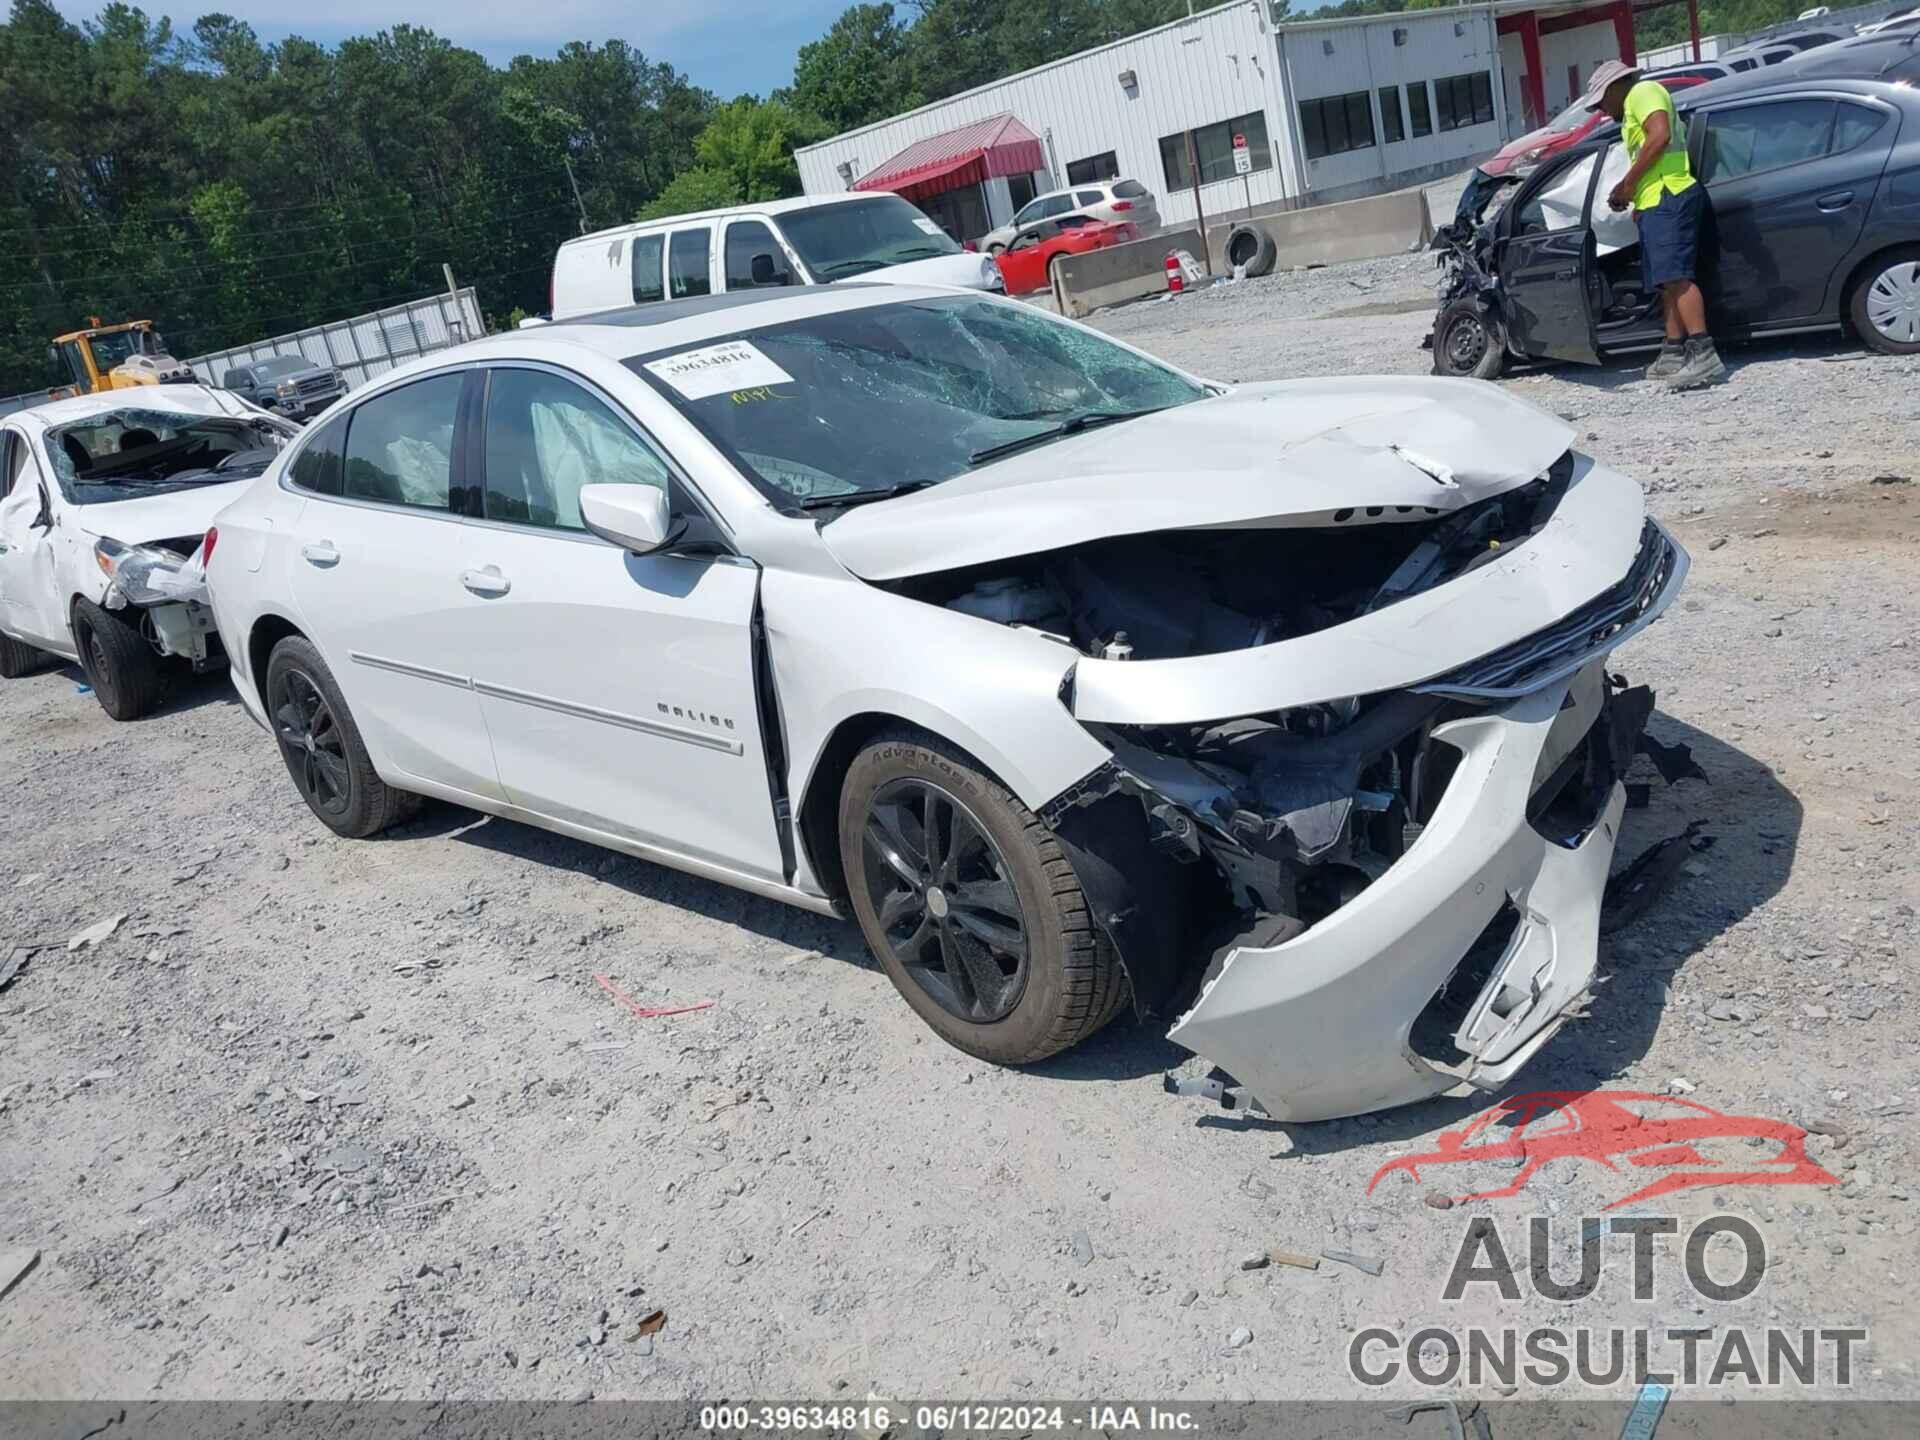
1280,710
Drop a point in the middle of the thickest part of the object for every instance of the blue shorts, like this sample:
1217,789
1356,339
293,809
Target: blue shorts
1670,236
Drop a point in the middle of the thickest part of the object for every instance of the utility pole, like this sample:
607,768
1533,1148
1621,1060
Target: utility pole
567,161
459,320
1199,215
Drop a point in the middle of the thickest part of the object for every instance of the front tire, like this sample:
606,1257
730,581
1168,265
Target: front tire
121,663
1468,343
970,905
1885,308
323,749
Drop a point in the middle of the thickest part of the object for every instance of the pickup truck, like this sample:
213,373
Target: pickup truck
290,384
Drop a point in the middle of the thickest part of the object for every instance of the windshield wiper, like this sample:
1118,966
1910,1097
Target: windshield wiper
861,497
852,267
1072,425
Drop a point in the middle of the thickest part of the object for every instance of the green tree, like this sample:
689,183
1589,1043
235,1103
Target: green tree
751,142
690,191
857,72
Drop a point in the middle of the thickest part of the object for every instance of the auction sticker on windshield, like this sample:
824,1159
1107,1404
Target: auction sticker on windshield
719,369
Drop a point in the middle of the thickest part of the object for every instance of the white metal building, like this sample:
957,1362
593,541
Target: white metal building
1329,110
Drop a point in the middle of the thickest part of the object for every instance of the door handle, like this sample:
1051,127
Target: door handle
487,581
321,554
1572,274
1838,200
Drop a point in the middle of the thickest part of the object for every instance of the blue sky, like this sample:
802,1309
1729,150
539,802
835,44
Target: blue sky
729,46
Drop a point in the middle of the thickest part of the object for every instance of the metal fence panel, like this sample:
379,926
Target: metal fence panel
359,348
366,345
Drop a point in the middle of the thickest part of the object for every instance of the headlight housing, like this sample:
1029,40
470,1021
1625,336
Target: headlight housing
146,574
287,387
990,276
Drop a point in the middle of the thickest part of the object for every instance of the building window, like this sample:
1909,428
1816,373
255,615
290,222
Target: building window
1463,100
1214,145
1095,167
1392,132
1335,124
1417,110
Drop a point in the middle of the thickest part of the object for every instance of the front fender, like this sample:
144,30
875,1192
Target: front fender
841,648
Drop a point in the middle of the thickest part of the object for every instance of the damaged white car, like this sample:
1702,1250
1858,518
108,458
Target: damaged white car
107,498
1080,683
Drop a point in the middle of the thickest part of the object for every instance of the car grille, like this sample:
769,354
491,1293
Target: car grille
319,385
1571,642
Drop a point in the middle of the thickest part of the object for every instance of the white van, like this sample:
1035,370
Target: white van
810,240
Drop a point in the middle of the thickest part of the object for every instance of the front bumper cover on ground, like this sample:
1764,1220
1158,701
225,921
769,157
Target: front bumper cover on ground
1320,1026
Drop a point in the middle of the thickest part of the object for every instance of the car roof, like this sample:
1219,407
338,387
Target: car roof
1886,71
676,324
764,208
192,400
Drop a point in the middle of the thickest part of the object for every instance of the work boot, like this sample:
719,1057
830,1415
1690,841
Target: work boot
1702,365
1673,354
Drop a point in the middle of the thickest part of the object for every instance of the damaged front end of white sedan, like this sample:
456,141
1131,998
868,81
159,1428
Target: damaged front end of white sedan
1367,756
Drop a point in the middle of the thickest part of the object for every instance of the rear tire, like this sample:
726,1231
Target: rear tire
994,896
322,747
1468,343
1253,247
17,658
1885,305
121,663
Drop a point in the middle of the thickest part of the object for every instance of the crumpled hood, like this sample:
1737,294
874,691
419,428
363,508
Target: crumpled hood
974,272
161,517
1290,453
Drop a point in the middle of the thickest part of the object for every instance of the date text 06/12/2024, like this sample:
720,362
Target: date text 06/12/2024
878,1415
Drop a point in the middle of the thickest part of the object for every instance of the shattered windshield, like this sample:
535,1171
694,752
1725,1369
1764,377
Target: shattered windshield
862,403
132,453
841,241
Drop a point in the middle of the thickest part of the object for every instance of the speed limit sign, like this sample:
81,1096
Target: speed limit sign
1242,157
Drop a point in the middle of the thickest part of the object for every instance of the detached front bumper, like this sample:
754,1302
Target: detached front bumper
1323,1025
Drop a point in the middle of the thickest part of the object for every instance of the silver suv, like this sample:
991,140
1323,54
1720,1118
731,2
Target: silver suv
1119,201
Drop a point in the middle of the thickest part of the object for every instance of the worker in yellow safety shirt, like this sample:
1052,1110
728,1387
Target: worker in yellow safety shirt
1669,207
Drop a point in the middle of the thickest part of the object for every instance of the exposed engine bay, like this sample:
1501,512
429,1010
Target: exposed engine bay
1202,592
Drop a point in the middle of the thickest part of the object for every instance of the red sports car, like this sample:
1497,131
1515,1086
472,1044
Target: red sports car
1027,264
1622,1130
1566,130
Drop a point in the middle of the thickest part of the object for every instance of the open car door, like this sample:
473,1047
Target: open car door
1548,280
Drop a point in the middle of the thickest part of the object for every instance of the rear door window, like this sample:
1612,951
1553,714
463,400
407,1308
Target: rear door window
318,465
746,241
647,286
1854,125
1088,197
688,268
400,445
1751,139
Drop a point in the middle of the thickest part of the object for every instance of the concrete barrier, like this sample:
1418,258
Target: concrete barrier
1120,272
1327,234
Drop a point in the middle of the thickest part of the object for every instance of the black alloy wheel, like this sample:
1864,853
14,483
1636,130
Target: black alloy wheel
312,742
945,901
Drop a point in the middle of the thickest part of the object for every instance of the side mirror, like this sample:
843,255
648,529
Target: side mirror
634,517
763,271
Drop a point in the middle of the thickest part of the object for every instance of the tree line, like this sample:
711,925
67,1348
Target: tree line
232,190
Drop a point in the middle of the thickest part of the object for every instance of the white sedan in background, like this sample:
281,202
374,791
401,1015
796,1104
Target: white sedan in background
105,500
1072,678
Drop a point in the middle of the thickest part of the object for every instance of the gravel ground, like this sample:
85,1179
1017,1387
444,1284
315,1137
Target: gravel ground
331,1119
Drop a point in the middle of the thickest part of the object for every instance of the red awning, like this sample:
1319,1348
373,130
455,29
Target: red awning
999,146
